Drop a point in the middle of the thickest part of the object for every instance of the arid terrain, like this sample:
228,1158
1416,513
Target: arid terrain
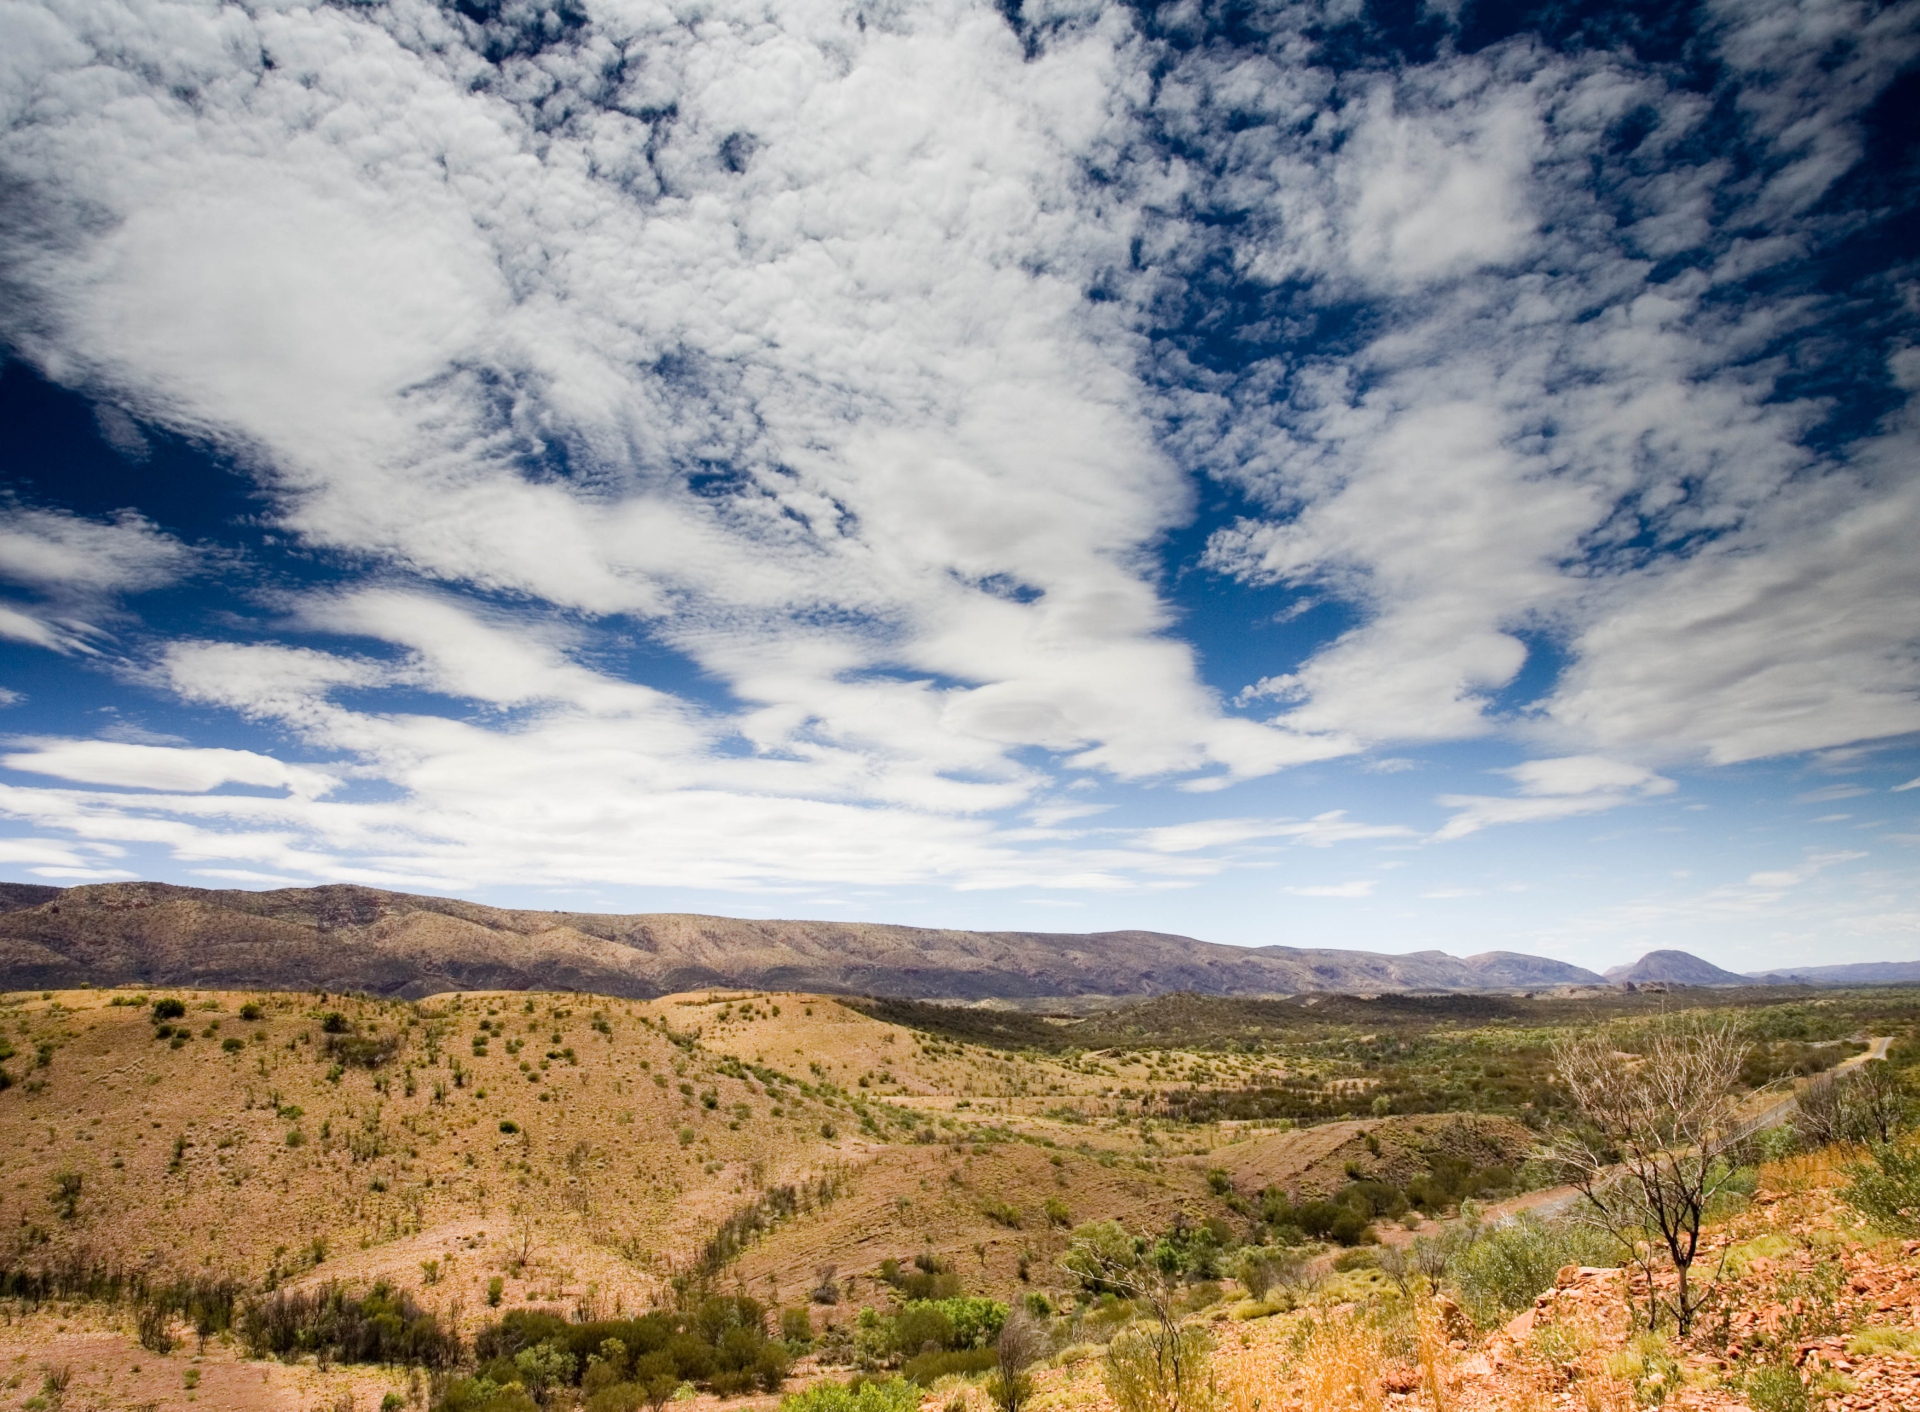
486,1152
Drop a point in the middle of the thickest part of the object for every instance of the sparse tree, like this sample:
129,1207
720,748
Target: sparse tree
1650,1151
1019,1347
1160,1365
1867,1104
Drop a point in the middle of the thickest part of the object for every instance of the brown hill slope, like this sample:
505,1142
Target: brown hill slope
577,1147
387,943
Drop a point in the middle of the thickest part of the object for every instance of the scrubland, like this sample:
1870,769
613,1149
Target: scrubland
490,1202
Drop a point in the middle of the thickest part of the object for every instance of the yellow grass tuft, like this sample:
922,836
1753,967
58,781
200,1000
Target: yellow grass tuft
1339,1364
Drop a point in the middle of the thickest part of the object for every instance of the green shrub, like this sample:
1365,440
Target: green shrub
870,1395
1501,1270
380,1326
507,1125
1773,1387
722,1343
169,1008
483,1394
962,1321
1154,1369
250,1011
928,1368
1886,1187
1879,1338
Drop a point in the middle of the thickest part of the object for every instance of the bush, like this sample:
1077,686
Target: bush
721,1343
380,1326
967,1321
364,1050
250,1011
1001,1213
928,1368
796,1328
1885,1188
871,1395
169,1008
1499,1271
483,1394
1773,1387
1161,1370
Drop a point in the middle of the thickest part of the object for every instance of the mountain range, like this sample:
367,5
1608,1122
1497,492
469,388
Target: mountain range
349,938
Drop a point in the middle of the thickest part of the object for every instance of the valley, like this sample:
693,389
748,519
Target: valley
603,1158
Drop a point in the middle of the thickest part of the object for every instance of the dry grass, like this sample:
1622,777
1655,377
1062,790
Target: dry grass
1339,1362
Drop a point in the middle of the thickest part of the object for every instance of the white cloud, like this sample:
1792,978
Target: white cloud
1776,879
51,852
1828,794
1553,789
769,338
162,767
79,568
1320,831
1362,888
1475,472
54,551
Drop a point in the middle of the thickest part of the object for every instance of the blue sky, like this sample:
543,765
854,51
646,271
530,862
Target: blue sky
1329,474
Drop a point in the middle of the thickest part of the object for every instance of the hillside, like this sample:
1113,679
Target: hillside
582,1141
345,938
571,1143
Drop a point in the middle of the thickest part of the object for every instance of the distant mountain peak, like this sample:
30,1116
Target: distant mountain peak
1674,968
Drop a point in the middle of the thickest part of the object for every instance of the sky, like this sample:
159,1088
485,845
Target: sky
1330,473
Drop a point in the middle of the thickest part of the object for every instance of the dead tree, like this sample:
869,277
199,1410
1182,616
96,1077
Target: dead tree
1650,1153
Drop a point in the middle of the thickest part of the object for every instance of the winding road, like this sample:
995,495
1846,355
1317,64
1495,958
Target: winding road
1557,1200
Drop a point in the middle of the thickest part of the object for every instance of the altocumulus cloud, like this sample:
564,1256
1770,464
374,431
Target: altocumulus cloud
869,358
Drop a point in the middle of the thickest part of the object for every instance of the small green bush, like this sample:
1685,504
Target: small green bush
170,1008
1152,1370
1879,1338
796,1328
1886,1187
1500,1271
929,1368
869,1395
250,1011
507,1125
1775,1388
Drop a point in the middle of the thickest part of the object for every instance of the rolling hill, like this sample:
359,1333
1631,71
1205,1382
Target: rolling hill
364,940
